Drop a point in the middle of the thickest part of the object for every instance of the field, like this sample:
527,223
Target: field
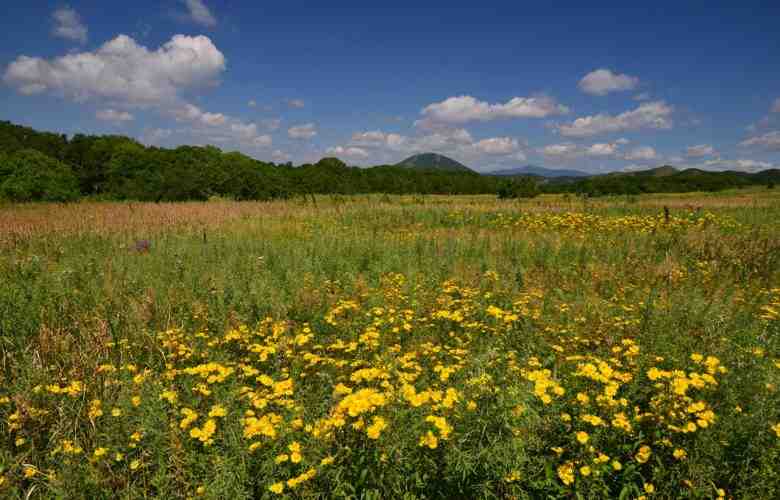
392,347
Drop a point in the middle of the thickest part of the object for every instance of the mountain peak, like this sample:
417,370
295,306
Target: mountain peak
433,161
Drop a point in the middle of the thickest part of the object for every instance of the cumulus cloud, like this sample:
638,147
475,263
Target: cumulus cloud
464,109
753,165
563,151
348,152
68,25
252,103
603,81
641,153
700,151
305,131
121,70
496,146
602,149
296,103
769,141
456,142
377,138
262,141
219,127
193,114
125,74
652,115
198,13
445,139
280,156
114,116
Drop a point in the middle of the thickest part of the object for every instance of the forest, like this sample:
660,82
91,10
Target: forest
45,166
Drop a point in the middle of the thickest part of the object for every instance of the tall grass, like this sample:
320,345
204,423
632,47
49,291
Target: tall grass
583,275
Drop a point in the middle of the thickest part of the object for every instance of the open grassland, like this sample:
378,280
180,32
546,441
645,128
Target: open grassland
392,347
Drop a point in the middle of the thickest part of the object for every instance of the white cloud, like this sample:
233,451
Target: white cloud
776,106
442,140
567,151
296,103
252,103
262,141
123,73
305,131
114,116
603,81
570,150
377,138
602,149
271,123
519,156
68,25
219,127
348,152
464,109
622,141
496,146
753,165
653,115
193,114
769,141
370,138
641,153
455,142
198,13
700,151
280,156
122,70
245,130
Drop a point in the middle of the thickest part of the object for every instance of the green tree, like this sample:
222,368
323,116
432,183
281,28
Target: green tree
29,175
521,187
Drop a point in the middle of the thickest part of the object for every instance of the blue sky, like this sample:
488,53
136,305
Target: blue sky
606,87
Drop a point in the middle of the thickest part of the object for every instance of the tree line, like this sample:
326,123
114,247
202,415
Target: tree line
44,166
51,167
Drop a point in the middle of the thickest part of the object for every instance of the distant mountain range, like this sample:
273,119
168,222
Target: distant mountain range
433,161
538,171
695,178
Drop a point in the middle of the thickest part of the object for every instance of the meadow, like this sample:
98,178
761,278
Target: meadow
392,347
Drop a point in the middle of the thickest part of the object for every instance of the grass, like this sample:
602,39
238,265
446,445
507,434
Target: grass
385,347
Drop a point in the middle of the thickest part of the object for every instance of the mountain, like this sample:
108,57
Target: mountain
433,161
539,171
663,171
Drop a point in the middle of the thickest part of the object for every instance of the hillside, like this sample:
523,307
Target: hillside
664,179
433,161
